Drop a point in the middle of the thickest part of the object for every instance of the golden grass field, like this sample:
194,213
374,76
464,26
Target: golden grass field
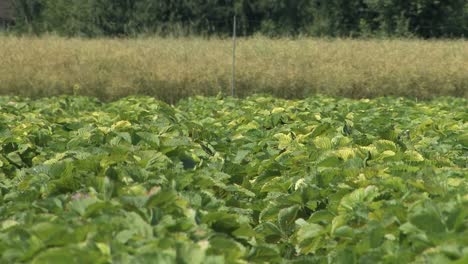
171,68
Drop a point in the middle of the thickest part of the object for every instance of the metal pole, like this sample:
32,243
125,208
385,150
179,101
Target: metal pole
234,33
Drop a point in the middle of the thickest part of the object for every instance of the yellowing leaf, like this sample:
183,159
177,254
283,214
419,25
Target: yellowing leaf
345,153
412,155
284,140
383,145
323,143
104,248
277,110
121,125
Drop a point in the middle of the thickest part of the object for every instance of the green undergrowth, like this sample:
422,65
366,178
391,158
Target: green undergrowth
213,180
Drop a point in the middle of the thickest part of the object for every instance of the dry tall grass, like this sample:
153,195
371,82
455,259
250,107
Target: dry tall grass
173,68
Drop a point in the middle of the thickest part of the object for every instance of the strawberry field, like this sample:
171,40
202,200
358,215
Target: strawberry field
213,180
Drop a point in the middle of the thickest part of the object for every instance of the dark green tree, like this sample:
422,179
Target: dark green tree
421,18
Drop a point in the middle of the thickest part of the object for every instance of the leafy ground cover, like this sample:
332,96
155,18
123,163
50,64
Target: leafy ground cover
213,180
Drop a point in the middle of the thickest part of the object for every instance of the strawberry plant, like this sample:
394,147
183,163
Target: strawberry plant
255,180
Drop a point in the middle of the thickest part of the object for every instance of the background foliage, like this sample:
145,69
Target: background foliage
421,18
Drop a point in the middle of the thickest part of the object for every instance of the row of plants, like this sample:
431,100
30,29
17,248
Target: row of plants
223,180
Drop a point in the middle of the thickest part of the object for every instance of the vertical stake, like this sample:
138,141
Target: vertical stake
234,33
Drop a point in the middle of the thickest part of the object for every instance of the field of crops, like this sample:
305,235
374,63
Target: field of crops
175,68
223,180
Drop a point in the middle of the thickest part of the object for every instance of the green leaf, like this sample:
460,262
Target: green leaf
344,231
265,253
241,154
269,231
162,198
227,247
245,231
287,217
321,216
309,237
222,221
277,184
320,130
66,255
80,205
427,218
190,254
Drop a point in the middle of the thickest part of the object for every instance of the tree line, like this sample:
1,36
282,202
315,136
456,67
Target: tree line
334,18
